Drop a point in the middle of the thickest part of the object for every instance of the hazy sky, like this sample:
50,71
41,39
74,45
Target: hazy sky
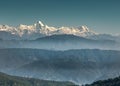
100,15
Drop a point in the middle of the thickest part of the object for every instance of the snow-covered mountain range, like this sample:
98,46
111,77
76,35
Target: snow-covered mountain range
39,29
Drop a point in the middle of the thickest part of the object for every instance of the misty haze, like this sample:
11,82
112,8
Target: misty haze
59,43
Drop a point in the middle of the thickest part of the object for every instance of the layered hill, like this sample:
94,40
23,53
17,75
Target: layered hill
79,66
61,42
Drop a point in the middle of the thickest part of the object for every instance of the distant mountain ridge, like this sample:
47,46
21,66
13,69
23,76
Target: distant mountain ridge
62,42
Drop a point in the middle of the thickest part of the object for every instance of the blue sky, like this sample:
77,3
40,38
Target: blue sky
102,16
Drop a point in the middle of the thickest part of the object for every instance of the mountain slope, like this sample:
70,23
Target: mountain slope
105,37
7,80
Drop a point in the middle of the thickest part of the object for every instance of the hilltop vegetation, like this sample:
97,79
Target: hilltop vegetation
7,80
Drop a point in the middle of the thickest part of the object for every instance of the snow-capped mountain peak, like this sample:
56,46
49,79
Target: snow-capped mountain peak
40,23
40,29
84,28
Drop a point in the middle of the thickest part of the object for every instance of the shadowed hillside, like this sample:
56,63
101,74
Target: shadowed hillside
109,82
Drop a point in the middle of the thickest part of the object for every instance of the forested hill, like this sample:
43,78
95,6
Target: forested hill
7,80
109,82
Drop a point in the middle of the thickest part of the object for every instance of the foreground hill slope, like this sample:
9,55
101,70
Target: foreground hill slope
7,80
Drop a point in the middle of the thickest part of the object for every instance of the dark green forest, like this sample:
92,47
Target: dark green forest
109,82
